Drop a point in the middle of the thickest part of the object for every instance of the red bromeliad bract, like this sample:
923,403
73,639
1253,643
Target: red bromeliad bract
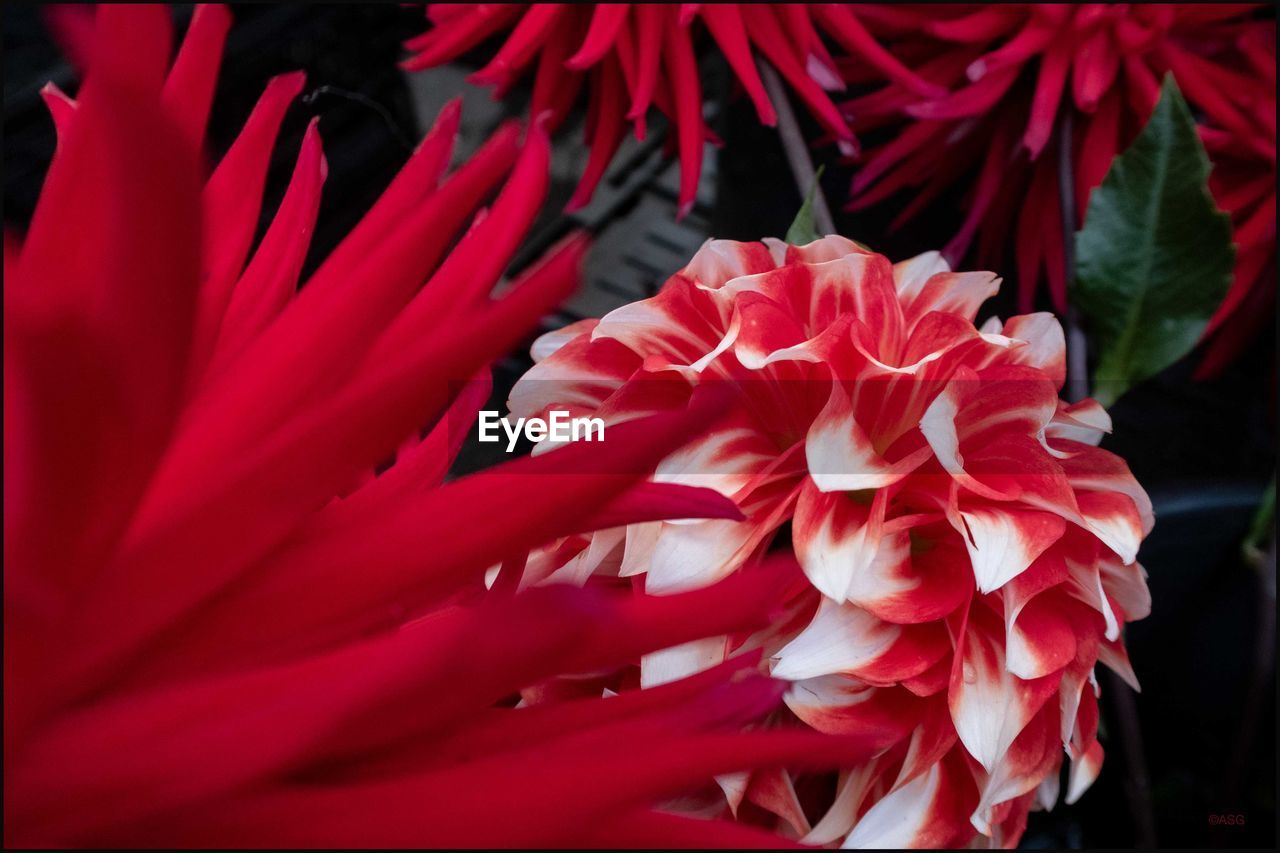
636,55
221,628
1012,70
969,552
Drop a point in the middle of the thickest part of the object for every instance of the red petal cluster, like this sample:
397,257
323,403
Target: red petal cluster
969,552
637,55
1010,71
221,626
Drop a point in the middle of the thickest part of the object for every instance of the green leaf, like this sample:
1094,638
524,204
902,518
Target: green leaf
802,230
1154,258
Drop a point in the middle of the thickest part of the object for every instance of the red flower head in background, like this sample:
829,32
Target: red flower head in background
1013,70
968,552
636,55
221,628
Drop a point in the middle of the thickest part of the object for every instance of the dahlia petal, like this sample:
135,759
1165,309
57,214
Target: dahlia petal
232,201
840,454
62,109
1019,468
966,408
637,555
837,538
836,704
1046,347
1020,769
379,547
724,21
649,44
719,261
248,741
1126,585
1040,640
1085,584
416,180
1032,38
974,99
1115,519
384,814
188,89
534,26
606,20
687,556
725,460
100,349
843,638
773,791
660,829
933,737
1116,657
1085,422
686,96
424,464
580,374
473,267
852,789
1044,104
922,813
1100,146
552,342
979,26
1002,542
457,35
1084,771
1097,470
911,275
765,31
860,284
989,704
762,329
554,87
668,324
606,545
673,664
271,277
960,294
609,129
132,46
843,25
913,580
655,501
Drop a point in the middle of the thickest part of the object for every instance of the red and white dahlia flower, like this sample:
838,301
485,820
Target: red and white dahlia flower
221,628
636,55
1012,69
968,551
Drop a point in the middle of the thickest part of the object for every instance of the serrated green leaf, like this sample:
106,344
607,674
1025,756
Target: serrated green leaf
803,230
1154,258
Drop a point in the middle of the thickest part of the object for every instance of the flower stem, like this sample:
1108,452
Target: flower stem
796,150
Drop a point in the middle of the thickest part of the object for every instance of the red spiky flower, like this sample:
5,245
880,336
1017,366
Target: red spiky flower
221,628
636,55
1013,70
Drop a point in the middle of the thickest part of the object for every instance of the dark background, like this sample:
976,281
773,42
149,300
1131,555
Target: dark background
1204,450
